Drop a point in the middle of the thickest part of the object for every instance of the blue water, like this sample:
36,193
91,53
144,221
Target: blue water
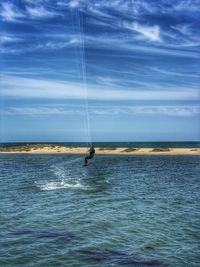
118,144
118,211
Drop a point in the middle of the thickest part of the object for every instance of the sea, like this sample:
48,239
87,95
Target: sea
120,210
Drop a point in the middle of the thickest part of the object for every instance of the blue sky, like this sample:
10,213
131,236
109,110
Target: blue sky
137,61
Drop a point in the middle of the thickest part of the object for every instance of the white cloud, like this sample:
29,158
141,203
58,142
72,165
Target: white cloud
13,86
36,111
123,6
183,28
174,73
107,81
62,4
141,50
97,12
39,12
55,45
8,39
183,111
151,33
50,45
10,13
187,5
74,3
33,2
180,111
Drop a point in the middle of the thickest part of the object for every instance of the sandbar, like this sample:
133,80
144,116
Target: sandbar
54,149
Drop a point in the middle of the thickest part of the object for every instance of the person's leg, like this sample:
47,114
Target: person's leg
88,157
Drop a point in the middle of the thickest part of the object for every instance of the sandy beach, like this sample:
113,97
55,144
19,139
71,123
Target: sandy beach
48,149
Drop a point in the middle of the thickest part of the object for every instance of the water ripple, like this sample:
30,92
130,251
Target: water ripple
146,206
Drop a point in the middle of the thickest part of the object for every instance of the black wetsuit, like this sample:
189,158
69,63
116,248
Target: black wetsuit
91,155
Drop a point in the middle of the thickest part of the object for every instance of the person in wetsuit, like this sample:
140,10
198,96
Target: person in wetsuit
91,154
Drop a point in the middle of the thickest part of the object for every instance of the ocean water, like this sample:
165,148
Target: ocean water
118,211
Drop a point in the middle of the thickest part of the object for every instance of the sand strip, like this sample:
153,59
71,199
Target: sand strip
105,151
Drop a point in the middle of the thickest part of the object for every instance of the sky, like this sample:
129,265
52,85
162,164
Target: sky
99,70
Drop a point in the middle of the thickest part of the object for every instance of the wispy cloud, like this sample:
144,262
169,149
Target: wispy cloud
175,73
56,45
149,24
38,111
10,13
40,12
151,21
183,28
32,88
74,3
4,39
101,42
180,111
151,33
127,6
36,46
187,5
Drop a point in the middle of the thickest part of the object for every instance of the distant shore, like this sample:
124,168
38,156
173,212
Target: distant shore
56,149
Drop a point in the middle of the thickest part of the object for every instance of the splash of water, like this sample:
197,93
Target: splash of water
45,186
64,177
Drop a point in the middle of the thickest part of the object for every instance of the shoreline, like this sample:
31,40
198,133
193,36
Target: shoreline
46,149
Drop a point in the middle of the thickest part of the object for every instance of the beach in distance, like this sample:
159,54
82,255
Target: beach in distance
54,148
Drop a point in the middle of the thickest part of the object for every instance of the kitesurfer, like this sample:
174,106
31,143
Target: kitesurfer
91,154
